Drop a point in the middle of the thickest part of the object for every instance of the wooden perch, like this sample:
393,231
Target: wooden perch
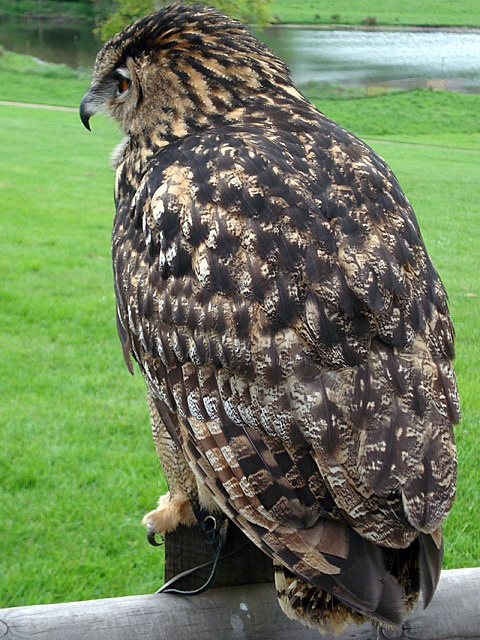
242,605
226,613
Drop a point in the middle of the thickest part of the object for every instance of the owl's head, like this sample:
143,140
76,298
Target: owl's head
178,70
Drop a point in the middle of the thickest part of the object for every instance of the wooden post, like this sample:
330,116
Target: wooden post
244,563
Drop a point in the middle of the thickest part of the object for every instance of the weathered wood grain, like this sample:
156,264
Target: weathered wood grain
244,562
246,612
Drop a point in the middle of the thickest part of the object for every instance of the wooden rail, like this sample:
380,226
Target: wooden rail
224,613
242,605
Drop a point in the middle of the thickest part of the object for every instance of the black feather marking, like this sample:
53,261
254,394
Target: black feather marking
193,316
202,354
204,297
374,295
324,330
351,356
166,350
220,323
167,310
348,301
400,335
149,306
417,315
180,346
259,282
169,223
227,243
198,231
179,313
290,255
265,239
419,399
274,371
220,280
350,227
286,310
297,216
242,321
402,252
182,263
393,373
154,280
316,267
390,280
361,325
165,271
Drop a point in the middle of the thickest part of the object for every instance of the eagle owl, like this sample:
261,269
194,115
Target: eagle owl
274,289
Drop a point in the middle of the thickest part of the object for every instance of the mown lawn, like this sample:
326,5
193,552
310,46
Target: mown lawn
29,79
384,12
77,465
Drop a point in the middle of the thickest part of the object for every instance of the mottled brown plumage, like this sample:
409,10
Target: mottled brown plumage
273,287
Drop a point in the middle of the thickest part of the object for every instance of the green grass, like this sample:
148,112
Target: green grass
28,79
77,468
77,465
55,9
420,116
385,12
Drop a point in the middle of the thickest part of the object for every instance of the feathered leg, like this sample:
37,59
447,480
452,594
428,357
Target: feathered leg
175,507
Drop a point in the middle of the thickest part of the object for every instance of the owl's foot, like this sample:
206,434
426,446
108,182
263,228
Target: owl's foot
171,512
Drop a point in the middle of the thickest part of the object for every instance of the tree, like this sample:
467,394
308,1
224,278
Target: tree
126,11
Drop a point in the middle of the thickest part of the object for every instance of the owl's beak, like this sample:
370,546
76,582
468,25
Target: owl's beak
92,102
86,111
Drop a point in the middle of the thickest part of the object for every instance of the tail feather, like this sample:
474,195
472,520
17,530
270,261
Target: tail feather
430,560
314,607
374,583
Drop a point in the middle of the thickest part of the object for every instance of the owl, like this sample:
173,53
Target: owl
273,287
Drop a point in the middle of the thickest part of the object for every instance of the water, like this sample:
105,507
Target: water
346,57
358,57
68,42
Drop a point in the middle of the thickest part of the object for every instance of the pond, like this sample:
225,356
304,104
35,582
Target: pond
336,56
72,43
361,56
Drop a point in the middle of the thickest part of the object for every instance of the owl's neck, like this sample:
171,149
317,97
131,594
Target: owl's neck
172,127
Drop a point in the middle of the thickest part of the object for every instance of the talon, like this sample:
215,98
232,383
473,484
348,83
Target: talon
209,527
152,540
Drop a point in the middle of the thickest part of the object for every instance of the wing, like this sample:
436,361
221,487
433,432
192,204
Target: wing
277,295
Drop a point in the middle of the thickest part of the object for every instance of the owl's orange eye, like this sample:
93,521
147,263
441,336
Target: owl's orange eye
123,84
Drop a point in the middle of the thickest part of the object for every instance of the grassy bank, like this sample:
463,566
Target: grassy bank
382,12
29,79
77,465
